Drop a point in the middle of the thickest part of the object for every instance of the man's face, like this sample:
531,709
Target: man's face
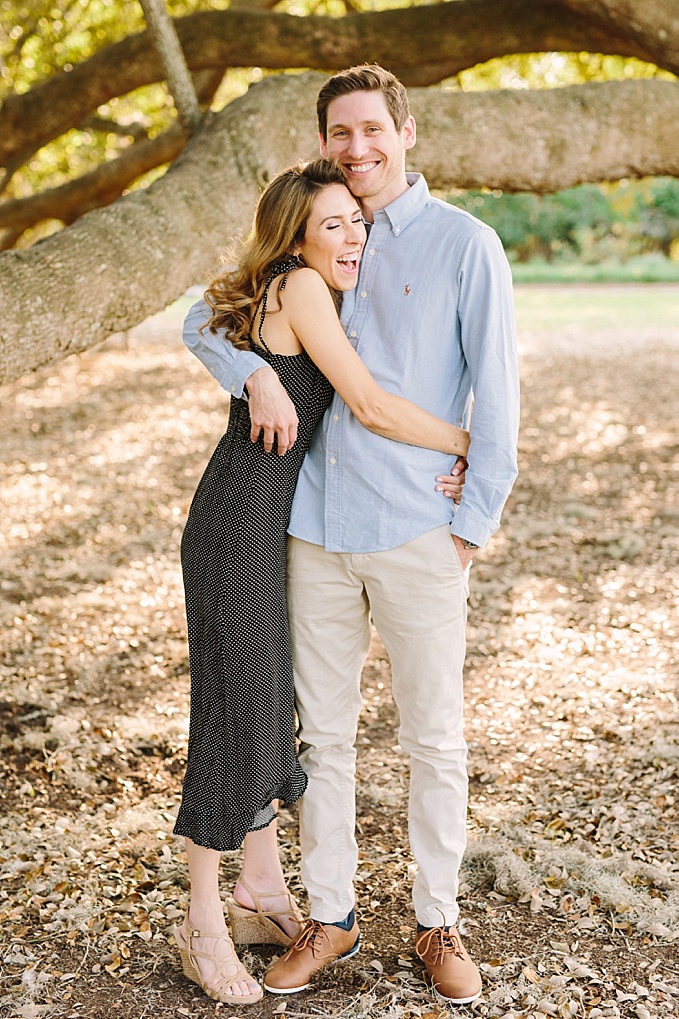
363,139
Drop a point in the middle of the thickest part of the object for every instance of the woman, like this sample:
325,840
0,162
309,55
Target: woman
306,244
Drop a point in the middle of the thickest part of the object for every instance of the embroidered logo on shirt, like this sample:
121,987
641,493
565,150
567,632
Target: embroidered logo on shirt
406,289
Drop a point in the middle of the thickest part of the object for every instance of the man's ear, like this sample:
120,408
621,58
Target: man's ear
323,146
409,133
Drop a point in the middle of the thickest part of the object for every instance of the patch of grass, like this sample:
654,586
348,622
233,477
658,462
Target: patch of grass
611,309
642,269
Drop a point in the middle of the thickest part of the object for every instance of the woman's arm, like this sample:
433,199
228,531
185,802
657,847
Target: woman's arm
313,318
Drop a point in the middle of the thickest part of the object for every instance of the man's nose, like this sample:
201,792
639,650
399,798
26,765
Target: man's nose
357,146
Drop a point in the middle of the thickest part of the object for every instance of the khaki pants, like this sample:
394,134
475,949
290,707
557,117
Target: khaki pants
417,597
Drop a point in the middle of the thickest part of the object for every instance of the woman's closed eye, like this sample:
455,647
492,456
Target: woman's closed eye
354,222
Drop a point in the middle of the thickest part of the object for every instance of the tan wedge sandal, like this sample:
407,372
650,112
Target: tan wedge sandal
230,970
259,926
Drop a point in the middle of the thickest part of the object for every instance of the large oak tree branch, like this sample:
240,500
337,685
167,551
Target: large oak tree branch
107,182
108,126
654,24
93,190
550,139
116,266
452,35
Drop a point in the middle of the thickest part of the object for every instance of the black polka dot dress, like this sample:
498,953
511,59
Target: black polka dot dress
241,752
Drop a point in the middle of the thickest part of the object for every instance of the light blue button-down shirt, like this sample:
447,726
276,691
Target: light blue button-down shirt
432,317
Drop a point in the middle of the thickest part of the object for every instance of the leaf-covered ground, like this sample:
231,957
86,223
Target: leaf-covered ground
571,882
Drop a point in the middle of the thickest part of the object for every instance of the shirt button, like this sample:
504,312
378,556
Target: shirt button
372,251
353,335
397,230
335,418
332,460
233,389
364,293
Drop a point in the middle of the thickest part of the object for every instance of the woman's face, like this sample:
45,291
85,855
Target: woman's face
334,237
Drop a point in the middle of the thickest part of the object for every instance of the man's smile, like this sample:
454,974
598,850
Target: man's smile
362,167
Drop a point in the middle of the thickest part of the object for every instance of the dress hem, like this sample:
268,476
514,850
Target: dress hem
225,835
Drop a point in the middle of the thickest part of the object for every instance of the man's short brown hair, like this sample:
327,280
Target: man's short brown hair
364,78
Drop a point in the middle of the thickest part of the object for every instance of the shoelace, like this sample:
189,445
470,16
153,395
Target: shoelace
308,934
442,941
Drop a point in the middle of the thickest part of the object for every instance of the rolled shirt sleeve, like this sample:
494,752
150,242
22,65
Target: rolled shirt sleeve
230,366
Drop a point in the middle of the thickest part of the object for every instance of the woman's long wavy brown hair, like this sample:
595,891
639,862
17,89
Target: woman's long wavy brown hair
280,223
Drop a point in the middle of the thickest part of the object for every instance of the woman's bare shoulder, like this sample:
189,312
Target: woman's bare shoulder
306,282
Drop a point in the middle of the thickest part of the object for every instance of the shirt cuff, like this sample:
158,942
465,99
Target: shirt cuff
472,528
239,372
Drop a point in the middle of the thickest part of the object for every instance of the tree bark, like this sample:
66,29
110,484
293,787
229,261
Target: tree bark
452,35
93,190
107,182
162,31
548,139
653,24
108,126
116,266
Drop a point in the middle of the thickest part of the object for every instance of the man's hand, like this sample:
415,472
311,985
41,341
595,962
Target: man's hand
272,412
451,484
466,554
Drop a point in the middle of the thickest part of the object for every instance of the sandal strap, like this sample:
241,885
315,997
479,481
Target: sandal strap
231,969
230,964
258,896
223,935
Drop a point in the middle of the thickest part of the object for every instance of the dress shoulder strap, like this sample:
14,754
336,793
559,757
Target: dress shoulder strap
285,266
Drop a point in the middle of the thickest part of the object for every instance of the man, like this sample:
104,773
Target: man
370,534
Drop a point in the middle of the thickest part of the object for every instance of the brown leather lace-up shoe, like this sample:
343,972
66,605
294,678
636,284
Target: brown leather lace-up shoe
453,973
317,945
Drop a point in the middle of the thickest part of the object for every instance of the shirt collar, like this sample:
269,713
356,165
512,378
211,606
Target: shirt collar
407,206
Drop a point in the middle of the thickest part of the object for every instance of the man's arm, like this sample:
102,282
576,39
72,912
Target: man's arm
488,335
244,373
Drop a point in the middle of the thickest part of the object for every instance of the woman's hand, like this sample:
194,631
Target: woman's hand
452,484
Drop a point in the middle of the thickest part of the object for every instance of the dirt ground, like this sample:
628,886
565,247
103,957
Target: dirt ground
570,895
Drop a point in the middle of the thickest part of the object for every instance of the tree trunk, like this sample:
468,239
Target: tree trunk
116,266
